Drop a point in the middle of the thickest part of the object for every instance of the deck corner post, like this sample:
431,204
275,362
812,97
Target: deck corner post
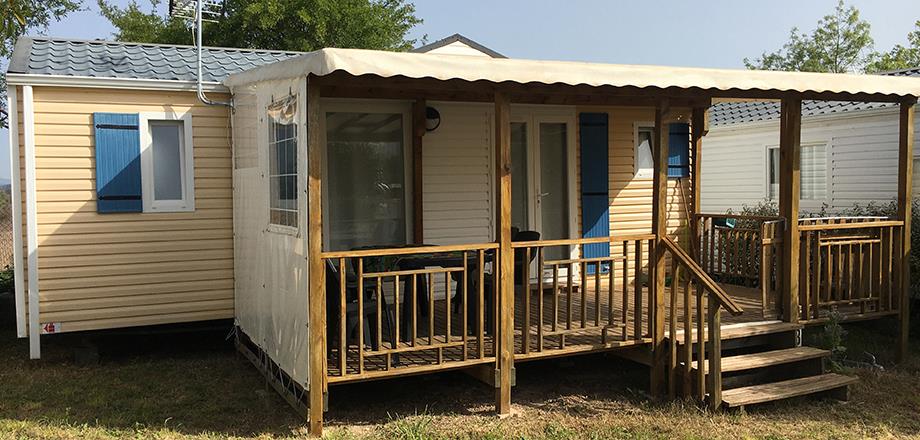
658,367
317,273
504,358
905,185
790,152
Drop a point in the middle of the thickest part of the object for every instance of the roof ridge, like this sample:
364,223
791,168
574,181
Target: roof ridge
175,46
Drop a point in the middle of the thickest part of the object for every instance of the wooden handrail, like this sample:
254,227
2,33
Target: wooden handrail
575,241
740,217
697,272
855,225
385,252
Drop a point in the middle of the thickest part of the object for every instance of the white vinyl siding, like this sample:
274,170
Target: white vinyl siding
861,152
457,175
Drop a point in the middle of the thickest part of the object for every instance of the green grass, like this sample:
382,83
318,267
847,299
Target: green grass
194,386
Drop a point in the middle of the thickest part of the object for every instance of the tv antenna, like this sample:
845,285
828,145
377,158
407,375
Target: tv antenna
199,11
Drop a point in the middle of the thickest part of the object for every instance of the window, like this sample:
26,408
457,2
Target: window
366,171
645,166
167,162
813,175
282,169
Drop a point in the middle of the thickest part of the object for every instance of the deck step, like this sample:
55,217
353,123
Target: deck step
739,331
769,358
783,390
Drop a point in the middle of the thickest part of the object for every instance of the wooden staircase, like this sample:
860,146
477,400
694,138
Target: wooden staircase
763,362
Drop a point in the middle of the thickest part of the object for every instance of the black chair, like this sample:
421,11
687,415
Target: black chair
520,253
333,312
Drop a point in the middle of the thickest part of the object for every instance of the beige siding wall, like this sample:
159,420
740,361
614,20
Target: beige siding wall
631,197
116,270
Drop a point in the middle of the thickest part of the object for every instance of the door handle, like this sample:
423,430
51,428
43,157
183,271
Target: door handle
541,195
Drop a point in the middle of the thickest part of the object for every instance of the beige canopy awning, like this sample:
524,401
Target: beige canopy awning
384,64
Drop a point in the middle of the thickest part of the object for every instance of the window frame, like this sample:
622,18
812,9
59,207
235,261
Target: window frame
643,173
187,163
277,227
803,145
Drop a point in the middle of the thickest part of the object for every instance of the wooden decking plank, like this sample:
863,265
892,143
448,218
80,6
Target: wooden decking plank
769,358
785,389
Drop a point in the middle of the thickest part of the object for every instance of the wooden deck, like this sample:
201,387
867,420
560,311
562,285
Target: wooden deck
578,335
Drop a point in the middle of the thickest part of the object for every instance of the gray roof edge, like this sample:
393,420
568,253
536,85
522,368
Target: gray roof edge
454,38
19,60
897,71
177,46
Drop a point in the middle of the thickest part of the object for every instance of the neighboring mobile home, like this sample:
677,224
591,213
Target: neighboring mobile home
849,154
377,230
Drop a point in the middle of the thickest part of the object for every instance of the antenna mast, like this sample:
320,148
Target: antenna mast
199,11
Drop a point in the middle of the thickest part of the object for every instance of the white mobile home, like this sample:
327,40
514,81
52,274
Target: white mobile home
849,154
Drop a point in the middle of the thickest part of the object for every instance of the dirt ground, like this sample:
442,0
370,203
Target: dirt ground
193,385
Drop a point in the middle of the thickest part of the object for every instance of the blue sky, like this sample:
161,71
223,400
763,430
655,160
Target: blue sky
705,33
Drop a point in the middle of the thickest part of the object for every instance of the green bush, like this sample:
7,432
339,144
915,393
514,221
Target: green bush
6,279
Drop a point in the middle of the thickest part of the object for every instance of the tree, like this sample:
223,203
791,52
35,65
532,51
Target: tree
297,25
840,43
899,57
19,16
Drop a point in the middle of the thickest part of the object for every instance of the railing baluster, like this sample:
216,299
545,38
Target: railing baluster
700,345
431,309
625,311
447,309
688,329
414,310
343,335
637,281
465,280
597,293
525,330
611,274
361,314
481,307
555,297
540,260
805,262
395,315
568,297
816,278
584,294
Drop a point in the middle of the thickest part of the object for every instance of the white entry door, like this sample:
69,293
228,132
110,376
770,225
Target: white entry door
542,175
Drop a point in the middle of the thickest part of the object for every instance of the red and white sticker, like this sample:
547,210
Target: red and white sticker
51,327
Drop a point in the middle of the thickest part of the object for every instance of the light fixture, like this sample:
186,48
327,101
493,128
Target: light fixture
432,119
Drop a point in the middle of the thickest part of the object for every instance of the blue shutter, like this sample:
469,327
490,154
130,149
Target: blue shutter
118,162
595,200
679,150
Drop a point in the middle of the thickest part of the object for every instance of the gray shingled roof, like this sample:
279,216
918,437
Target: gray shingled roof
457,37
106,59
730,113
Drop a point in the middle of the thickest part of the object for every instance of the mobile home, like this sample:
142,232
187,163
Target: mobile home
366,215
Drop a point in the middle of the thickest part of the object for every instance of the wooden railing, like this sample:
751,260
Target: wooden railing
849,265
389,317
771,268
581,304
732,253
695,298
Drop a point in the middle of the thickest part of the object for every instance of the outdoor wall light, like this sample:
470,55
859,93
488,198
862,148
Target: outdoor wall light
432,119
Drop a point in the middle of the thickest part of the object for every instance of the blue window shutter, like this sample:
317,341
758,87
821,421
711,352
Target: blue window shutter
595,201
679,150
118,162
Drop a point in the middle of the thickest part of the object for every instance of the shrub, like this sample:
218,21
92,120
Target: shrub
6,279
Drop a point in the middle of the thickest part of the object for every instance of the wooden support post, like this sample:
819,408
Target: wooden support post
700,126
418,131
317,272
790,158
659,373
905,173
505,337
